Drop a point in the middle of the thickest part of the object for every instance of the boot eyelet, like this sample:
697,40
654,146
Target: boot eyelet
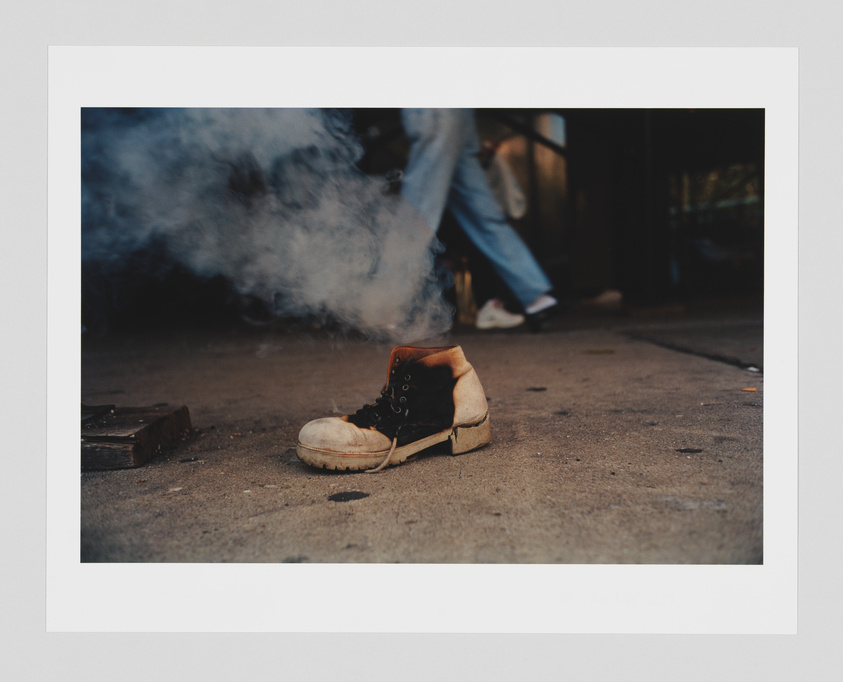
402,399
407,377
397,359
405,387
397,410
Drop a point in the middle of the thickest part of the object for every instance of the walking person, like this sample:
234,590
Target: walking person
444,172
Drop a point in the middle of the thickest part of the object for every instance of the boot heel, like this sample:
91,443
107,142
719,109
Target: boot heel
467,438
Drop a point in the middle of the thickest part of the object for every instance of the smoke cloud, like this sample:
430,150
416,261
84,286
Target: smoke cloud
272,200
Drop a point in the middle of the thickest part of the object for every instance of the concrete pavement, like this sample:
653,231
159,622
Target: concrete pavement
608,447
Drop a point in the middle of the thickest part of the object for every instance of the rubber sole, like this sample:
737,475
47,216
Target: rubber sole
462,439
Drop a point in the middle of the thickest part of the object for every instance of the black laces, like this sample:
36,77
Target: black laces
390,410
386,410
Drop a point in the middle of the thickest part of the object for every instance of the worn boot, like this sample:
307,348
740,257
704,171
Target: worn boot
432,395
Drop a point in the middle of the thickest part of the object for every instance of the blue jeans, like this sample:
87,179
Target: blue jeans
443,171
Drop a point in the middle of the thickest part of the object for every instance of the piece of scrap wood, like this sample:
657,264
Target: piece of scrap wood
127,437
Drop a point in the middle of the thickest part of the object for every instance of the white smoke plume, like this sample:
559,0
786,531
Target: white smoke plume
272,200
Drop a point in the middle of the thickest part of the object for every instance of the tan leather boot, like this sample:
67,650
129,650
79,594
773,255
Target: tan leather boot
432,395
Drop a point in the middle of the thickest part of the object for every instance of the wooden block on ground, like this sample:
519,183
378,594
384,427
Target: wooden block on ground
127,437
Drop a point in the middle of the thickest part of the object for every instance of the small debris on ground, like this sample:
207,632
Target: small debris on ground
347,496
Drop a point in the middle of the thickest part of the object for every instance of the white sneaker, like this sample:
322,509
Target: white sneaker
608,299
494,316
543,302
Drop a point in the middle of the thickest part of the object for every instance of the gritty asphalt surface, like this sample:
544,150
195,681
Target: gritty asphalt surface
614,441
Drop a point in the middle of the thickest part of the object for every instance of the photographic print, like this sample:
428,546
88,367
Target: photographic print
518,340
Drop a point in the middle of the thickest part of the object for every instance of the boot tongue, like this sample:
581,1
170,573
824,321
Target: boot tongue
413,352
402,354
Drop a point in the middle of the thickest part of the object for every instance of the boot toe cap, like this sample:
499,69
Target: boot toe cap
333,434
